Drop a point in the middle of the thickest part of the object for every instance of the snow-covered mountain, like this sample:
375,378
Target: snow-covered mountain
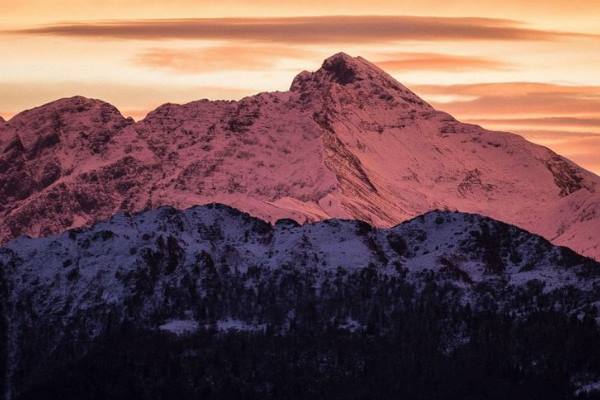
346,141
213,268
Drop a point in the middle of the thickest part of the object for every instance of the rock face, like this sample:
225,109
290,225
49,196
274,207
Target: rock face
212,269
345,141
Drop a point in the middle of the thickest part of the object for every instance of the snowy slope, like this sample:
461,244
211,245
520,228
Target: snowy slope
100,257
346,141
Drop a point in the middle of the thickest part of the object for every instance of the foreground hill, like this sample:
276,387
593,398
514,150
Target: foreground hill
210,302
346,141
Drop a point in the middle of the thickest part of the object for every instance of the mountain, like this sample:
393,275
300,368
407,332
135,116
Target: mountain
346,141
202,301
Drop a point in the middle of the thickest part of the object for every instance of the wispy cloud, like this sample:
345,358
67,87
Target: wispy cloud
540,104
522,99
231,58
545,121
436,62
581,147
308,30
263,57
510,88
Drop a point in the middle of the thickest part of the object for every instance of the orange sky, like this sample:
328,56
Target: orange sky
525,66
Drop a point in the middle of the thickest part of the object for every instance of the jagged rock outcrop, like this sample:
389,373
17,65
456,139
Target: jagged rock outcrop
346,141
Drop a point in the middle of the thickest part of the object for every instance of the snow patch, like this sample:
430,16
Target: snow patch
231,324
351,325
588,388
180,327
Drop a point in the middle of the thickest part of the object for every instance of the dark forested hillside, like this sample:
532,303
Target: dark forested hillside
211,303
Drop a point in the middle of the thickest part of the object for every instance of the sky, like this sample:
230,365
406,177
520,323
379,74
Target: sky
525,66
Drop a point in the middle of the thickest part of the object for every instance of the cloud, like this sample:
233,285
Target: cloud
436,62
509,88
515,99
581,147
260,57
544,121
526,105
231,58
307,30
557,136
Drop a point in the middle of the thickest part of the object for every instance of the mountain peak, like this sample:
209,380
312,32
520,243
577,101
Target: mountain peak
349,141
76,105
344,69
67,120
356,74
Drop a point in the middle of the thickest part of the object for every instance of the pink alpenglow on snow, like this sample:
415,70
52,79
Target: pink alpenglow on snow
345,141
